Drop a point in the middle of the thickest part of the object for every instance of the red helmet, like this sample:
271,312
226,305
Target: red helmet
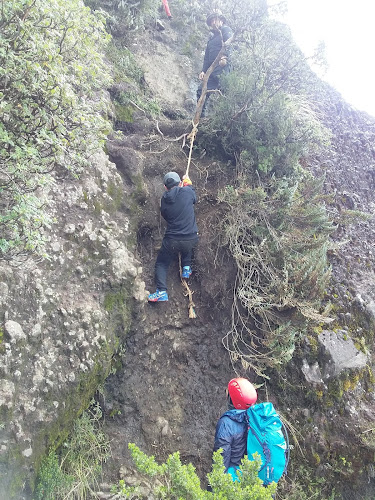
242,393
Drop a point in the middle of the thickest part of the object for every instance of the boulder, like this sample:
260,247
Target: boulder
14,331
341,353
312,373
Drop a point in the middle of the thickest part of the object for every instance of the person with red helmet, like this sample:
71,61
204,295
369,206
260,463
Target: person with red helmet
231,429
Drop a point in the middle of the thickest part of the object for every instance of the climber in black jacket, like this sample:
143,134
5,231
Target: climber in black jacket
181,235
220,33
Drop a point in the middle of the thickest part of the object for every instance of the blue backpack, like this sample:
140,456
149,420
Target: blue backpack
267,436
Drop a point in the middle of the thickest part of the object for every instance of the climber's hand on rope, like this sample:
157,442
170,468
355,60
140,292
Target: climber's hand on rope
186,181
223,61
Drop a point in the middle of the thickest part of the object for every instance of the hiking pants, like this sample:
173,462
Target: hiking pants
169,250
212,84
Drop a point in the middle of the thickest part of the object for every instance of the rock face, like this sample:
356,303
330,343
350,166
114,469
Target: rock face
338,354
343,355
169,394
60,328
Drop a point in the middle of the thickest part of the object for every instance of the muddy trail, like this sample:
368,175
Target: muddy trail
170,391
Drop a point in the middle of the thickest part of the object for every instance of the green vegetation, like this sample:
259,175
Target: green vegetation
117,302
51,64
278,235
125,16
125,67
276,227
72,471
52,481
173,480
306,485
126,103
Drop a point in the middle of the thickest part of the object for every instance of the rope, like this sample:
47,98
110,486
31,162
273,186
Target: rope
189,292
191,136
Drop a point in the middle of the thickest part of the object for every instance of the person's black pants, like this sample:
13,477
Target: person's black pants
169,249
213,83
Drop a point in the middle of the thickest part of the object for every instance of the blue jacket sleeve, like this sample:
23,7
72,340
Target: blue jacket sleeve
206,62
223,440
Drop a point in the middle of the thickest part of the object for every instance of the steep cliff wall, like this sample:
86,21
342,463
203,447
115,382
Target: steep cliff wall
63,318
169,394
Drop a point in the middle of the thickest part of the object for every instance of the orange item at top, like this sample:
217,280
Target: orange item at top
166,8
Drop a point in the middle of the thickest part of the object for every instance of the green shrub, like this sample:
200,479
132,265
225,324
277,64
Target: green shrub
278,235
124,63
277,227
74,470
173,480
52,481
126,16
51,72
128,102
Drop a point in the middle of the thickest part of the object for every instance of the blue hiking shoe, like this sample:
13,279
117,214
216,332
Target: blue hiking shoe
158,296
186,272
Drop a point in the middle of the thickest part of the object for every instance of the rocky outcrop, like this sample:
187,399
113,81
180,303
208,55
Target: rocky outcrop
338,354
63,318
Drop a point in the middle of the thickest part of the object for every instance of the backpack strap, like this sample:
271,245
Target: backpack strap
265,448
287,452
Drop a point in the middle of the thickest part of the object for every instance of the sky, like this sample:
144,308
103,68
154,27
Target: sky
348,29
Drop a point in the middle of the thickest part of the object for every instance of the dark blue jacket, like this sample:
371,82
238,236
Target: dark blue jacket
231,435
213,47
177,208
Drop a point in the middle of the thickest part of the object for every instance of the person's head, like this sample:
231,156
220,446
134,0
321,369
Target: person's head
171,179
242,393
215,20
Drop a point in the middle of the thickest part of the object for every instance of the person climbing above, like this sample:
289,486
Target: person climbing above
220,33
181,235
231,429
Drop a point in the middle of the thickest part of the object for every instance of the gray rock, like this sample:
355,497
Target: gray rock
123,264
69,229
139,290
36,330
55,246
341,352
370,308
4,290
312,373
14,331
6,393
27,453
